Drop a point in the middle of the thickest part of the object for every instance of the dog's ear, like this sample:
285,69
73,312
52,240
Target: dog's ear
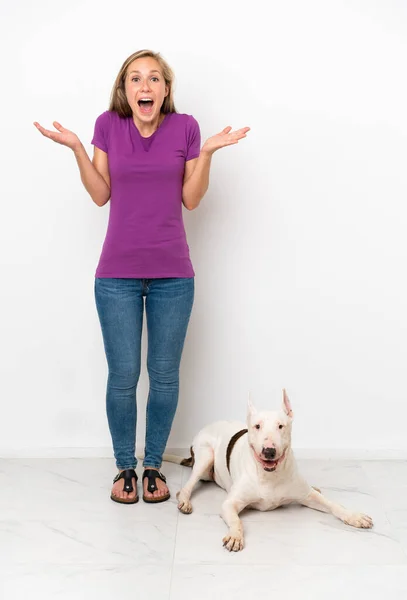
287,405
251,410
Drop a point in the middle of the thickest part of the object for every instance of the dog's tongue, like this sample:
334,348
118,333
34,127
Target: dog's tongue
271,465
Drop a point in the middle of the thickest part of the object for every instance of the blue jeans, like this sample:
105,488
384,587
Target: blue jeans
120,306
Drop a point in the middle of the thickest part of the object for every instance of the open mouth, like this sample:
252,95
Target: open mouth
146,105
268,465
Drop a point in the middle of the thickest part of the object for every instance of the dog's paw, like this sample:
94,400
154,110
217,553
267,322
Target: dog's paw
184,505
233,543
358,520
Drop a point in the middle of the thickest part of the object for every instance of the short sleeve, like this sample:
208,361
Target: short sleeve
193,139
101,132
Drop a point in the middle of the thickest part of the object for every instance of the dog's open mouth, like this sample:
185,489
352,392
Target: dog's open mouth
268,465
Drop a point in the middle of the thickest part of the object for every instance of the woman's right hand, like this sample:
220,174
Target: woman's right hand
61,136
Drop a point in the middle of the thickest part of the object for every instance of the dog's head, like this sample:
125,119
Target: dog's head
269,433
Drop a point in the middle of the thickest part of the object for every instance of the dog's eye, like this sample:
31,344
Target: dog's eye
280,426
257,426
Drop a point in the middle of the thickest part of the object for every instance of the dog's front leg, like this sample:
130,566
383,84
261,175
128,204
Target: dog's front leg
204,460
231,508
317,501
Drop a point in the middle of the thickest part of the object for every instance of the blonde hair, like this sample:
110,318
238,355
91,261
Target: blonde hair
118,100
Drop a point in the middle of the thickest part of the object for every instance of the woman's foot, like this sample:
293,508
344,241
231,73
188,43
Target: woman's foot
158,491
126,479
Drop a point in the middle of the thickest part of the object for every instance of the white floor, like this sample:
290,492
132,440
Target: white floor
62,537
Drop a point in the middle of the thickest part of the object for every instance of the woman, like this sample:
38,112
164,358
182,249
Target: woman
148,161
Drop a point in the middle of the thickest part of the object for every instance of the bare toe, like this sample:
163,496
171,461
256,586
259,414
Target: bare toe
118,491
156,481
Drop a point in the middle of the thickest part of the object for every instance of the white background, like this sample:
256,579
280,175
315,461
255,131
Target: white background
299,246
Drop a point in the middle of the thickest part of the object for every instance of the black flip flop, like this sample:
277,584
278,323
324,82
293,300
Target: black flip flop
152,475
127,475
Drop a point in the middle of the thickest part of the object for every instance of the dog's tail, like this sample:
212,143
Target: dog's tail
178,460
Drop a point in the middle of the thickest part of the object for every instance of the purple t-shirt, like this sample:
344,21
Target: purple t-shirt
146,237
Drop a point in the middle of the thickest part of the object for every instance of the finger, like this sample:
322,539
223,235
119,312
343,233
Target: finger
237,137
242,131
226,130
58,126
52,135
234,139
39,127
44,131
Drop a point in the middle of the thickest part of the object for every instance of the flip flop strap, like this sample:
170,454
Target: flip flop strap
152,475
127,475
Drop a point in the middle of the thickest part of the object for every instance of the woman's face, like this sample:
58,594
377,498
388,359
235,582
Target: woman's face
145,88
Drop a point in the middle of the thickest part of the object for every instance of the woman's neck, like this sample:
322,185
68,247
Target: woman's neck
147,129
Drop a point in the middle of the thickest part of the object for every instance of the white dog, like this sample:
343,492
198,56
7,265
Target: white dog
256,466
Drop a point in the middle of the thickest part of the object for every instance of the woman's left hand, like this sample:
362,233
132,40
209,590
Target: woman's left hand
224,138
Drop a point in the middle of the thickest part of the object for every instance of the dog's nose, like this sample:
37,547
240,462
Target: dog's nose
269,453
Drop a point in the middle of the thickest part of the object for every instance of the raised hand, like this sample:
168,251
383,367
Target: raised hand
61,136
227,137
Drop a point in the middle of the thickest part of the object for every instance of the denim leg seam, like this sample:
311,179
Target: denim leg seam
151,466
126,468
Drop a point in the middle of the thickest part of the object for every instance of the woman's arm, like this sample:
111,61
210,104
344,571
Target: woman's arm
196,176
196,180
94,175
